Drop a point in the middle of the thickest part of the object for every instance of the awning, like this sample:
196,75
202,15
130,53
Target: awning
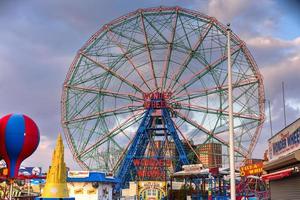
278,175
282,161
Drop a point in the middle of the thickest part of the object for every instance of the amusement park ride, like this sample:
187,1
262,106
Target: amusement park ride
151,86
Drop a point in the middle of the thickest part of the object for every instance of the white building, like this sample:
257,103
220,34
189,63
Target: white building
85,185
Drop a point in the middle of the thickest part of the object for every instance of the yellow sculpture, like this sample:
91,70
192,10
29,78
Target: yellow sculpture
56,184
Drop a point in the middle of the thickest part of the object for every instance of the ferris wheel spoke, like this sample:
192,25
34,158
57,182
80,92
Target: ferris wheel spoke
236,99
106,68
187,142
204,130
126,37
204,71
104,137
248,126
91,133
156,30
106,113
185,35
122,156
104,154
126,96
189,57
169,53
214,111
236,126
125,53
115,143
213,90
148,50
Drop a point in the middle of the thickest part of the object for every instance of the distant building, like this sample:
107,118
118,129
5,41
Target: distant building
167,149
210,154
160,148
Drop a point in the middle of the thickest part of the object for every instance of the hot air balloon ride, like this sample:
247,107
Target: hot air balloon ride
19,138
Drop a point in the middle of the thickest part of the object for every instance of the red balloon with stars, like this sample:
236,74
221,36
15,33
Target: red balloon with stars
19,138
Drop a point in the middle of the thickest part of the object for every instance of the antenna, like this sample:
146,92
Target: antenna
270,117
283,98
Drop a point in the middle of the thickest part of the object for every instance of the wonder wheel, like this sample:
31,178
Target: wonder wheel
165,59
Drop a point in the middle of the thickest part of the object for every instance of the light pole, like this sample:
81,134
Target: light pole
230,107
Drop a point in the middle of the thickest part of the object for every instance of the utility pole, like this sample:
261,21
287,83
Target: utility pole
230,107
283,99
270,118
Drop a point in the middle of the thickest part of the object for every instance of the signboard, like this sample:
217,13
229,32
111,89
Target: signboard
151,162
151,184
78,174
191,168
285,142
156,99
253,169
150,168
151,190
30,171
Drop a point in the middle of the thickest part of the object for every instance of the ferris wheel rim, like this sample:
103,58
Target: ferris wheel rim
160,9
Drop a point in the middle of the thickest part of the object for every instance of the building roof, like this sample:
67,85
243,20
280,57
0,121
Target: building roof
297,120
200,173
93,177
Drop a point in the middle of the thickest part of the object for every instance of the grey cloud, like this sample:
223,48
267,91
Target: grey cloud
277,60
226,11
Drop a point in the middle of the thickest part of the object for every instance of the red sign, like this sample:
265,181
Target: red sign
157,95
153,173
149,162
151,168
156,99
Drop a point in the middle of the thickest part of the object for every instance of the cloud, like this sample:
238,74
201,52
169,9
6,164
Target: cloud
262,25
247,18
284,68
279,61
226,10
268,42
294,103
42,157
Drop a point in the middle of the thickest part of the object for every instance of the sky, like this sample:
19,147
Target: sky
39,39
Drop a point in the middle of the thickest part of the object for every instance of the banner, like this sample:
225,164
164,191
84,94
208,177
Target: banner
285,142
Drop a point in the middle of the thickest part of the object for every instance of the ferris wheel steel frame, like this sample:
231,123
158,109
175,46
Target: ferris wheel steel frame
176,85
140,142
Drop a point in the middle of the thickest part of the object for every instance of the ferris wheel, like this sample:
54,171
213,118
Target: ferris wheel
168,53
